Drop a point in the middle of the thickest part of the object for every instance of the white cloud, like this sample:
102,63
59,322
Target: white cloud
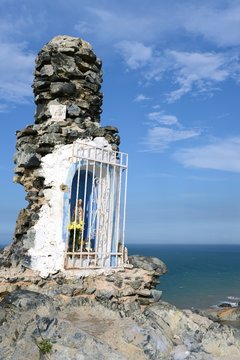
16,67
201,70
3,108
134,53
83,27
117,22
162,118
215,23
135,29
194,72
23,31
221,155
156,107
159,138
141,97
16,61
189,71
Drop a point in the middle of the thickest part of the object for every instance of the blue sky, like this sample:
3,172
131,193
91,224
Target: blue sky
171,86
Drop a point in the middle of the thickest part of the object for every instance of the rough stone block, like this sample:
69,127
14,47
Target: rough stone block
62,88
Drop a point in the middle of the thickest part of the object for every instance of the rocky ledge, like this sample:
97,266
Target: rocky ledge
134,283
112,315
224,315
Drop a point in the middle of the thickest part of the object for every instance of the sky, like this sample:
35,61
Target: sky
171,73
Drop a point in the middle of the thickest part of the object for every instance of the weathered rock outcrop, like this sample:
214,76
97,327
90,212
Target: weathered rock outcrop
223,315
68,101
131,286
78,328
115,316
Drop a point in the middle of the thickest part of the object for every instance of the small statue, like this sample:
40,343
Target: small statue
77,215
76,227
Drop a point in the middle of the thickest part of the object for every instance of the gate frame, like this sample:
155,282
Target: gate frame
85,155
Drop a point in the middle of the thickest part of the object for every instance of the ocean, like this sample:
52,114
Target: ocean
199,276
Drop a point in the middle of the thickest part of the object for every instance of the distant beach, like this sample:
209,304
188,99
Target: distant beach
199,276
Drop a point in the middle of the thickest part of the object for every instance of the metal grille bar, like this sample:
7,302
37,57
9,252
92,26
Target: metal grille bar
98,192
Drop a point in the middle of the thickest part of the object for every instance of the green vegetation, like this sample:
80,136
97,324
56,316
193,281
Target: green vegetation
45,346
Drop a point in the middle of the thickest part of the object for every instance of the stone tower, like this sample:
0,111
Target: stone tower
67,89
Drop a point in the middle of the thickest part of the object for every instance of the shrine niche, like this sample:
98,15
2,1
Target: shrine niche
73,173
96,207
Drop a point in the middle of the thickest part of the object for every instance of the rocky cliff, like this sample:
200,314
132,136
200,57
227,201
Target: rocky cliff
116,316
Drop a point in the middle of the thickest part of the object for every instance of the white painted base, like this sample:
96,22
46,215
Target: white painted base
47,254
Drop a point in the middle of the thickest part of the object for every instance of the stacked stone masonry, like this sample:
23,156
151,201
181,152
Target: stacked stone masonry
133,286
69,74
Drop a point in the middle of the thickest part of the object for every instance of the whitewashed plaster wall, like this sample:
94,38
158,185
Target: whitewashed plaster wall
47,254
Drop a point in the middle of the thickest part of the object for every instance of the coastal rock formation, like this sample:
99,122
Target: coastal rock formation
116,316
223,314
116,289
68,101
79,328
